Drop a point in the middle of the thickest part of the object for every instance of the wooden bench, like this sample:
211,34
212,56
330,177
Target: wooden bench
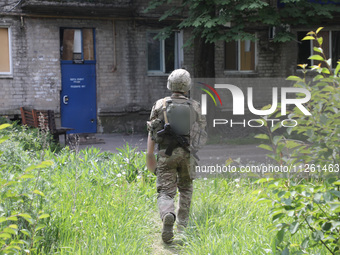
43,119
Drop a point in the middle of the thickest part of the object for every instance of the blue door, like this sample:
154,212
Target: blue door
78,70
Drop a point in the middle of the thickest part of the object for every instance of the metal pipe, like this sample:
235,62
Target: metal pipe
83,17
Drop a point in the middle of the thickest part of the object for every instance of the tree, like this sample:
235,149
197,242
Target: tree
232,20
228,20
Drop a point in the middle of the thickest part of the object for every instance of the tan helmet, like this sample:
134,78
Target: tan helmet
179,81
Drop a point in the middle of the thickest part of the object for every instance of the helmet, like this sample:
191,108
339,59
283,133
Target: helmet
179,80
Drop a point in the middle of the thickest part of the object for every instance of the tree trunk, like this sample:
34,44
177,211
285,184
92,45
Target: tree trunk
204,67
204,58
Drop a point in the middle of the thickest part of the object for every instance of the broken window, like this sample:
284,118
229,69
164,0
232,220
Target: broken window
5,51
77,44
164,55
239,55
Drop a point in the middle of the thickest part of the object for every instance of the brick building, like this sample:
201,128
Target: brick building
99,66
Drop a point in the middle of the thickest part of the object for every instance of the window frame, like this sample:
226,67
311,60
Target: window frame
239,41
311,48
10,73
178,53
82,60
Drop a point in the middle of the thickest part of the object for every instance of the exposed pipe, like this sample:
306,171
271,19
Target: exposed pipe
83,17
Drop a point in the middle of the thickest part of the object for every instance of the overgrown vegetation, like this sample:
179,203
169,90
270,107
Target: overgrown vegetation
61,201
22,216
93,202
70,203
307,200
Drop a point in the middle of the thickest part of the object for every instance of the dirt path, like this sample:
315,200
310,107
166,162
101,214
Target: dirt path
158,246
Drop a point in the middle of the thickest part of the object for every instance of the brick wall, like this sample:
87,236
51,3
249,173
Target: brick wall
125,92
123,86
12,90
272,59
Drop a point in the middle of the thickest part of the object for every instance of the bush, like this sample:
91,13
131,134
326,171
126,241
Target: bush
307,200
21,217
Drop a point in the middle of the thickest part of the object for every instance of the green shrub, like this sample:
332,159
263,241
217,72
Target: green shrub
21,214
308,199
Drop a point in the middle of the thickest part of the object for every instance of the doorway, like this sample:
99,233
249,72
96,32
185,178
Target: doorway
78,97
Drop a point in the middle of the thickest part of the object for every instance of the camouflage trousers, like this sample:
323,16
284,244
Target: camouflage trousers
174,172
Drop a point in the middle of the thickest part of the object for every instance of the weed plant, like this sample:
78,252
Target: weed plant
93,202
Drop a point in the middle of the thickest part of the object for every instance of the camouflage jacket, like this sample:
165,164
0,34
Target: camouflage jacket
198,135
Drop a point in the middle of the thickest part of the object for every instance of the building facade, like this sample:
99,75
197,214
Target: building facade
100,67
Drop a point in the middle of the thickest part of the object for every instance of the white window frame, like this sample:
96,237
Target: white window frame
239,59
178,53
10,73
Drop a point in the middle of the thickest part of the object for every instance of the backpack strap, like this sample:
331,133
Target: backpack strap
165,100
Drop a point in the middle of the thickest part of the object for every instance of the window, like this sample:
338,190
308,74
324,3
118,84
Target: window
164,55
239,55
77,44
330,45
5,52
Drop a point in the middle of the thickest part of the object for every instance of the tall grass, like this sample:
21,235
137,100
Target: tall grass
100,208
226,220
104,203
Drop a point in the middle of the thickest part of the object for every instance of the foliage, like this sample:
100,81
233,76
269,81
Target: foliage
43,205
4,120
105,203
130,160
97,207
232,20
21,217
309,198
31,139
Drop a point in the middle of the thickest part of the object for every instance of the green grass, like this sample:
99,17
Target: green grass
104,203
225,220
95,209
102,219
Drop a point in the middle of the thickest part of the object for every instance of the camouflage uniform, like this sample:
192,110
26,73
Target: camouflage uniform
175,171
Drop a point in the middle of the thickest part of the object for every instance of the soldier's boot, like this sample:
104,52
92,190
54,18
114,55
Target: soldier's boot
182,219
168,228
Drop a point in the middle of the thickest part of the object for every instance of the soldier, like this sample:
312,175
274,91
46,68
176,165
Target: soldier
175,159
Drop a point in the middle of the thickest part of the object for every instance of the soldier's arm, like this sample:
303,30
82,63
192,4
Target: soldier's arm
201,120
151,162
150,156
